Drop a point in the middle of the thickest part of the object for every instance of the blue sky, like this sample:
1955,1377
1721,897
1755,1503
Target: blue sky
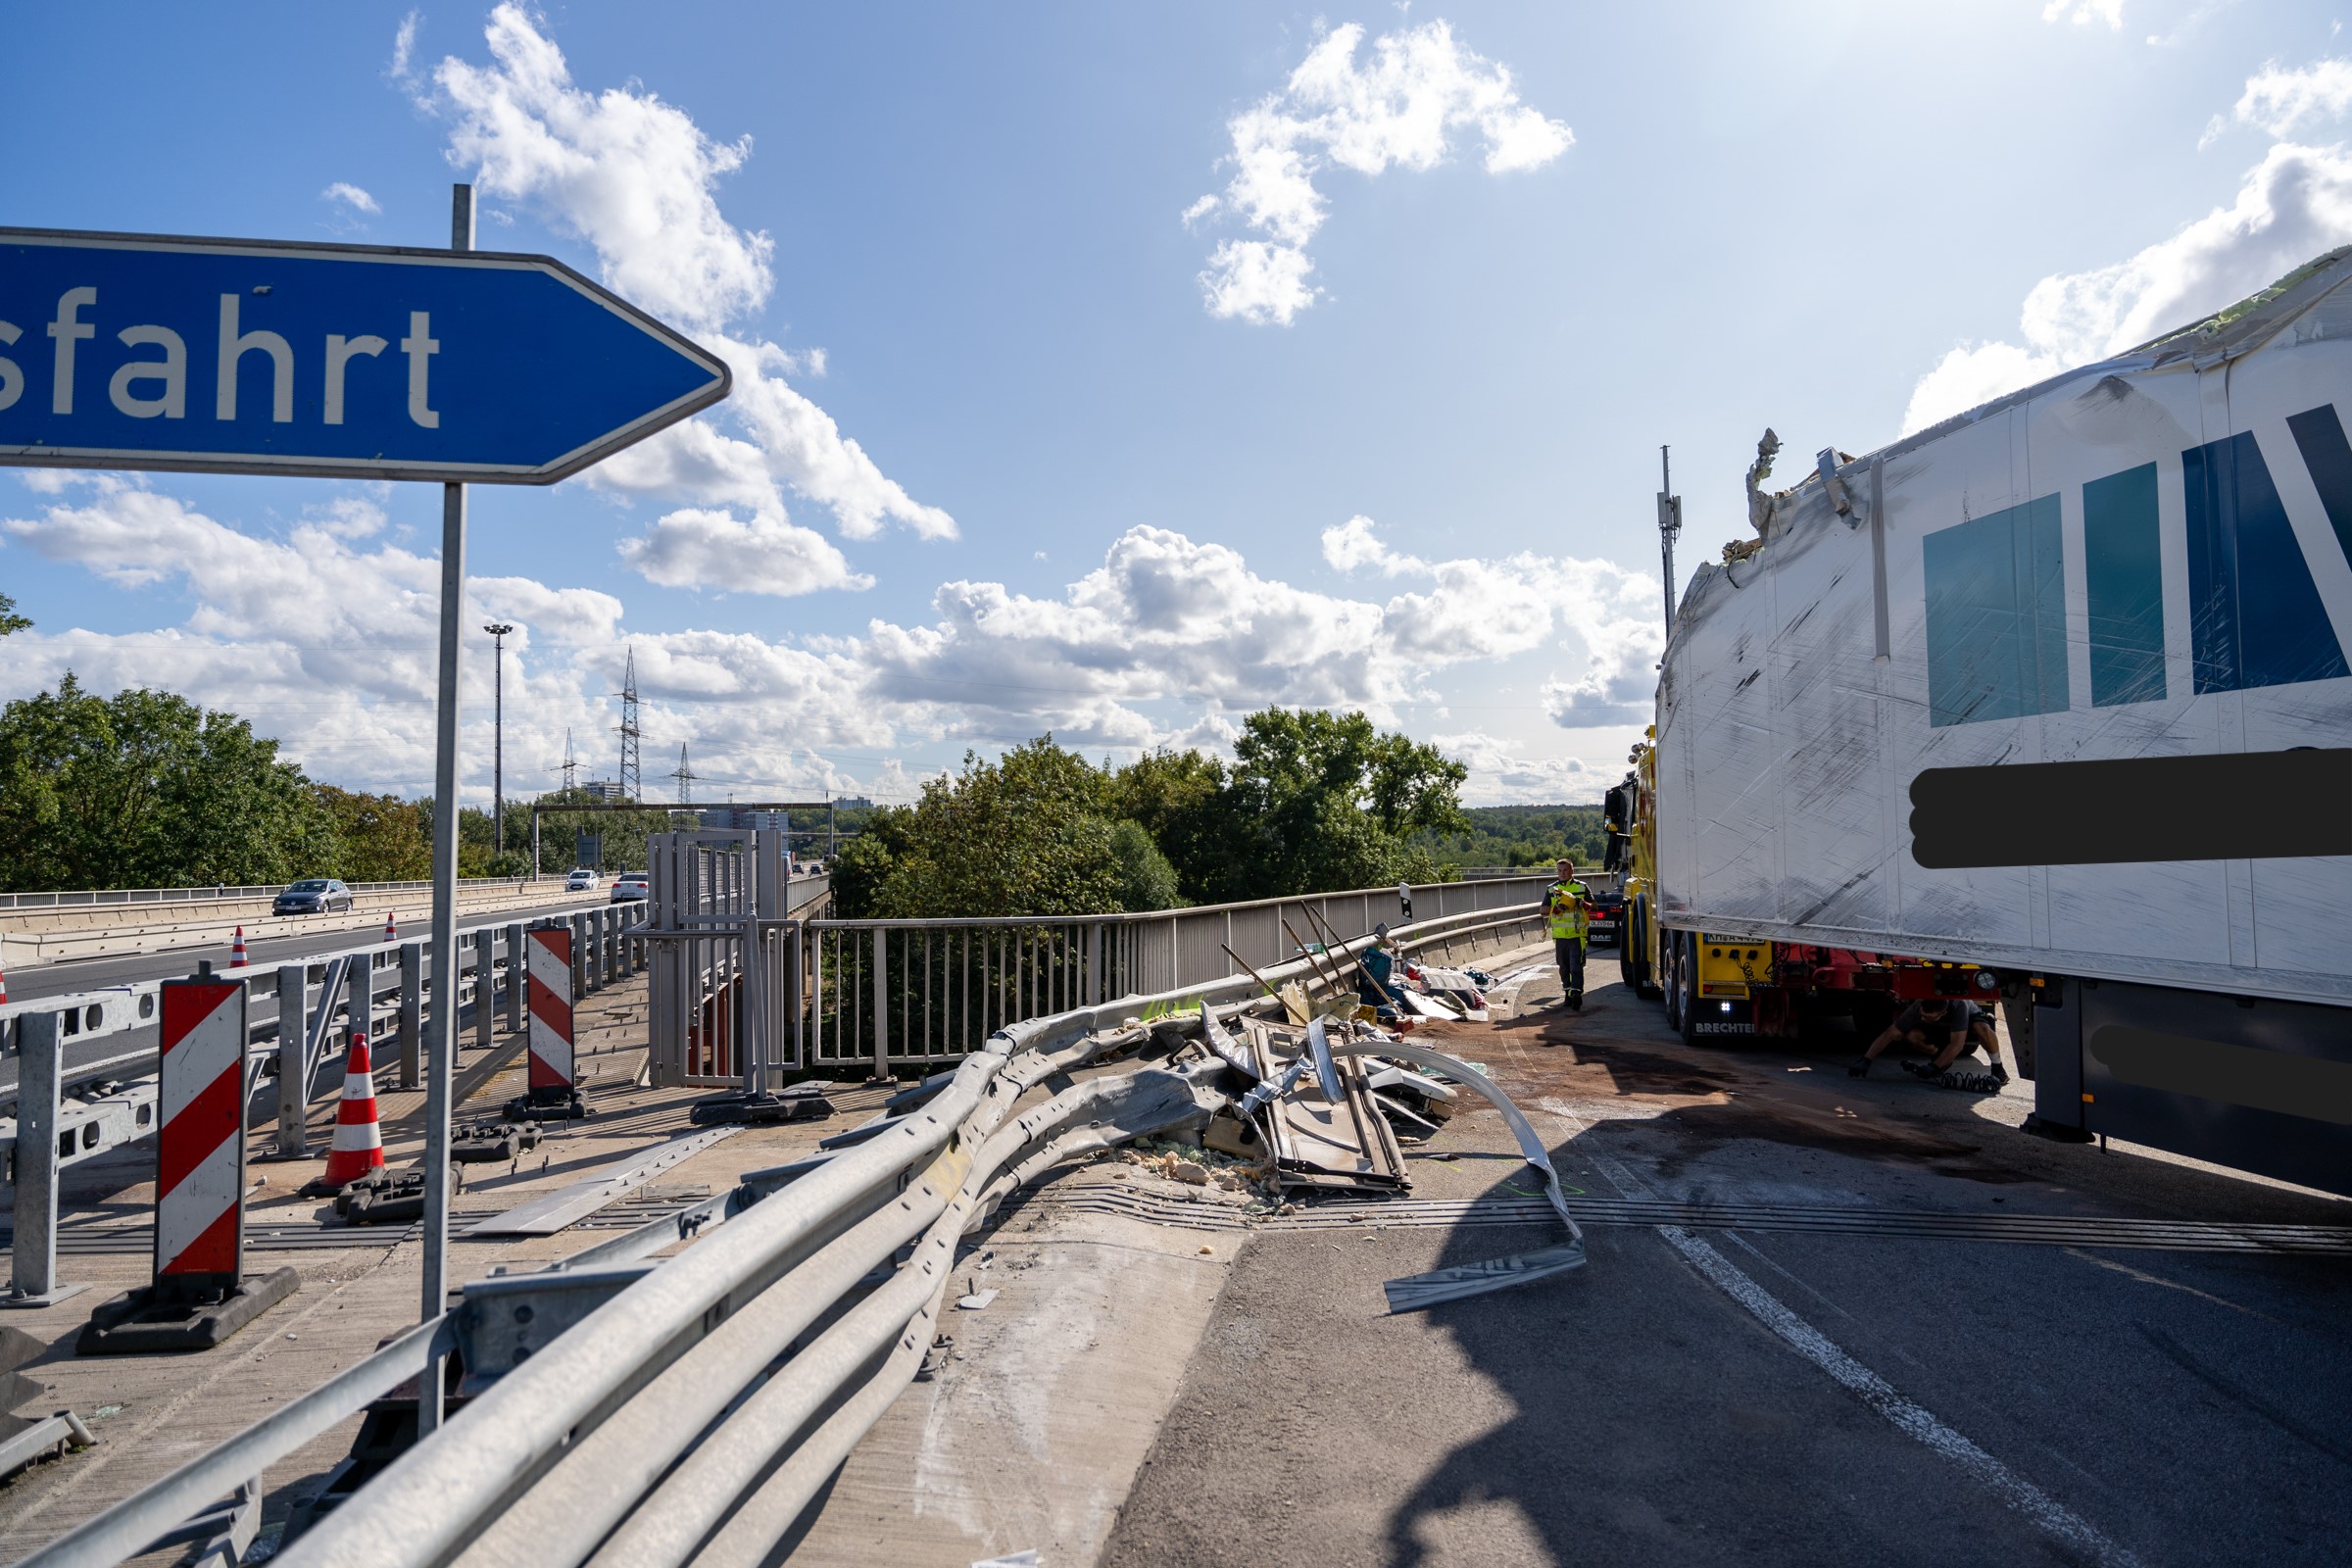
1017,447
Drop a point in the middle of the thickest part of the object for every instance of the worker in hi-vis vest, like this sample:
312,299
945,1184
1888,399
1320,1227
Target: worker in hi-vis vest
1571,924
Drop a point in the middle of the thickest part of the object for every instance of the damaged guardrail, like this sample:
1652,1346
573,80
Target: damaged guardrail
626,1413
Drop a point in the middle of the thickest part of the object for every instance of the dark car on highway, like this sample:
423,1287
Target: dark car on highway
315,895
1606,910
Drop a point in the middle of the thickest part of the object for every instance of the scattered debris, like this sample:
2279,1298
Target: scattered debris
978,1300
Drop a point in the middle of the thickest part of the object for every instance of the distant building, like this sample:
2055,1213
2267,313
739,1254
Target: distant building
854,802
606,790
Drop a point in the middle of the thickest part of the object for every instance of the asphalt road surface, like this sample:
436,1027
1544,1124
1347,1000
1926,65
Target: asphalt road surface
1701,1395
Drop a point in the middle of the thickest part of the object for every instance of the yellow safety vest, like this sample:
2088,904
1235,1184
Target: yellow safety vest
1564,905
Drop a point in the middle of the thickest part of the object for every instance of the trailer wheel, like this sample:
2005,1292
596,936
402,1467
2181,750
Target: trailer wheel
1685,990
1670,952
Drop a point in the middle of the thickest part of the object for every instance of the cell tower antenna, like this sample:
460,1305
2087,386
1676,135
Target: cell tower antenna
632,767
685,775
571,764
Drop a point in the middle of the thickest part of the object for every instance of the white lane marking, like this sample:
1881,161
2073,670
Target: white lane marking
1875,1392
1907,1416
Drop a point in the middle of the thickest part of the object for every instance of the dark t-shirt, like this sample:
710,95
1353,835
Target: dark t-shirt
1958,1017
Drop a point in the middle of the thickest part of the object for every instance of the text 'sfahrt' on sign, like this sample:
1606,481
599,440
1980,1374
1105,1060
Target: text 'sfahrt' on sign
127,351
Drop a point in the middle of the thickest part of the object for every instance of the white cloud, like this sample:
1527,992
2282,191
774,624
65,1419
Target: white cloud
1501,775
623,170
637,180
765,554
344,191
2081,12
1402,109
324,636
2293,205
404,47
2283,102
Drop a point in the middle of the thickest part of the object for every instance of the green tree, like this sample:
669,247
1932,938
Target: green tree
1146,878
380,838
1318,802
146,789
10,621
1024,835
1179,798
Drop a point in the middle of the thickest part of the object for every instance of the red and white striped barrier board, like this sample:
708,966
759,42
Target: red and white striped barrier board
200,1155
549,949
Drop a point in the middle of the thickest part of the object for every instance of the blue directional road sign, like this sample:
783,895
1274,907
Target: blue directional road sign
135,351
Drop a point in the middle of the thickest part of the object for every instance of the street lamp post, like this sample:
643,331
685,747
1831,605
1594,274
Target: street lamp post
498,630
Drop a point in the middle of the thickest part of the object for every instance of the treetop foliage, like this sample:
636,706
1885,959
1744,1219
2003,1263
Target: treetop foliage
1313,802
145,789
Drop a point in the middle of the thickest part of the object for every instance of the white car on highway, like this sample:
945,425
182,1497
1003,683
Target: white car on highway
631,886
582,880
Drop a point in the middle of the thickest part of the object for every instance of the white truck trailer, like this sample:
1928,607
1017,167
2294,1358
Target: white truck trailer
2058,688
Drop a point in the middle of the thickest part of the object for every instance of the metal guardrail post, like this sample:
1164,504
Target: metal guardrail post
485,986
795,988
359,1011
411,1011
517,987
293,1035
1094,963
579,955
40,1067
881,1004
608,918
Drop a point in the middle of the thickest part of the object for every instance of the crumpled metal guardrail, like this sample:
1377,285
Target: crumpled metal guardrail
574,1455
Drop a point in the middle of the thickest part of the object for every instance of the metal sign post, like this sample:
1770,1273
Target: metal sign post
441,1033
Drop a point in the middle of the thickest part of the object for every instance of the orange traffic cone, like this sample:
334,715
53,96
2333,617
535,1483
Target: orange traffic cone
359,1146
391,929
237,951
3,985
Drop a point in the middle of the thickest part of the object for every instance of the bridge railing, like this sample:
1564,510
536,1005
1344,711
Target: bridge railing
884,993
743,992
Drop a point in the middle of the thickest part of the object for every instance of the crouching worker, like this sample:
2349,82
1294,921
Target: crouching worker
1375,977
1571,924
1942,1027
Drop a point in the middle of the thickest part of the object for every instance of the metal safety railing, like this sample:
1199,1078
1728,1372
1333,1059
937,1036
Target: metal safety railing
743,994
654,1422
